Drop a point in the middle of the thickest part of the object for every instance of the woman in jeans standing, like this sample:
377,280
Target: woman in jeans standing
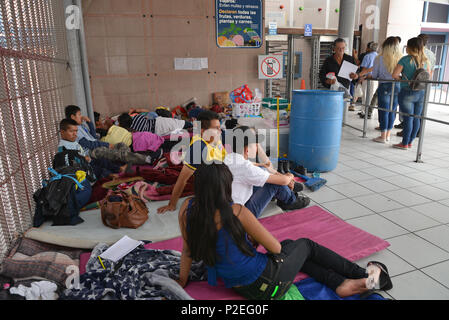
383,68
225,236
410,101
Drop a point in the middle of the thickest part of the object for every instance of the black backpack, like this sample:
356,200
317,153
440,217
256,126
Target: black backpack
72,158
420,75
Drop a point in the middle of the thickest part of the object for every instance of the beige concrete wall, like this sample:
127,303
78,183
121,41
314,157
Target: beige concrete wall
404,19
132,44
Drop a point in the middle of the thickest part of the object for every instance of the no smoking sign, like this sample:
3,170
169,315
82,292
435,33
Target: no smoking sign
270,67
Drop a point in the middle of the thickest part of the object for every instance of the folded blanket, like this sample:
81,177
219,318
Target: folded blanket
31,259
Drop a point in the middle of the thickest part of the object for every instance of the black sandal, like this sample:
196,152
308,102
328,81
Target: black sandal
377,280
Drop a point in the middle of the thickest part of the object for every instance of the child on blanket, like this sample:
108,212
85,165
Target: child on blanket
225,236
97,149
102,168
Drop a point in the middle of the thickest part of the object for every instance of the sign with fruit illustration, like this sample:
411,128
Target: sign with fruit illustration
239,23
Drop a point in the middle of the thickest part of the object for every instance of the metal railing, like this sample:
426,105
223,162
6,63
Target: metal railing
423,115
439,93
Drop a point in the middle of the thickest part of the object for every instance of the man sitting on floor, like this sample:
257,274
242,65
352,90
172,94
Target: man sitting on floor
253,186
203,148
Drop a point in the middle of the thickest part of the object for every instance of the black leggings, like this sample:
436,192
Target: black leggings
305,255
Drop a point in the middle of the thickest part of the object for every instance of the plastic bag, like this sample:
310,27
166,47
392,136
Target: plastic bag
337,86
241,95
358,92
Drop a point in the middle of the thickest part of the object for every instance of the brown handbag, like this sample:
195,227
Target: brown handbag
122,210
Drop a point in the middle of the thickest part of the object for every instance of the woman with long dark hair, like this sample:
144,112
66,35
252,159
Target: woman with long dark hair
410,101
224,235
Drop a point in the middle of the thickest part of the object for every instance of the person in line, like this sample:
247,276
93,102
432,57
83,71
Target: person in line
429,53
225,236
204,147
410,101
255,186
383,68
331,66
366,67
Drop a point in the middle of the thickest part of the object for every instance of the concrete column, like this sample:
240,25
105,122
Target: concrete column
78,63
346,23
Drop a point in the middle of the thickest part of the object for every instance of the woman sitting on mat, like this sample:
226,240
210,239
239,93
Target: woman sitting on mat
225,236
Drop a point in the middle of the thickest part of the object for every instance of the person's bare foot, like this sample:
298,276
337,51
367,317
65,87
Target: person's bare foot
350,287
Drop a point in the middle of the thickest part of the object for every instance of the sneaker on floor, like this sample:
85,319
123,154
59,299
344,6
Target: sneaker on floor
399,126
400,133
351,108
301,202
377,128
400,146
409,145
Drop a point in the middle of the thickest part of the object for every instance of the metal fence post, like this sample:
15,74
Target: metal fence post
367,102
423,123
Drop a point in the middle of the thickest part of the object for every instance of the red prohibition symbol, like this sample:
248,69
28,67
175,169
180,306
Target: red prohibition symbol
272,67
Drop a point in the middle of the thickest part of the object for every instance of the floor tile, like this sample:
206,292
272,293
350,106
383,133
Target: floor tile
439,272
379,172
431,192
434,210
439,236
416,285
333,178
378,185
443,185
427,178
358,164
401,169
406,197
403,181
351,189
347,209
410,219
378,226
355,175
378,202
416,251
325,194
395,264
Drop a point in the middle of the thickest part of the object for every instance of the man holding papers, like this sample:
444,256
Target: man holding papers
330,70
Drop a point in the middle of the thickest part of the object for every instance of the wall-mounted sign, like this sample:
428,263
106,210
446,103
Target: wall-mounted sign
270,66
308,30
273,28
239,23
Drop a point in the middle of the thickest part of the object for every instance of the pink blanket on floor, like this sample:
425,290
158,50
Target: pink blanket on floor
314,223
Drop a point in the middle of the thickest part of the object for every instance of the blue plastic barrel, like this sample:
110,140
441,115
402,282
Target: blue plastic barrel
315,129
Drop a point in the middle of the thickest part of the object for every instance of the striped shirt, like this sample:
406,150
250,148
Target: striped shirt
142,123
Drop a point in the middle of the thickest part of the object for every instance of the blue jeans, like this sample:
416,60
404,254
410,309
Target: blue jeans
262,196
411,102
386,118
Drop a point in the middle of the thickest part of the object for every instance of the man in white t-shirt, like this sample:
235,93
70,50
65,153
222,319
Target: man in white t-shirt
254,186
